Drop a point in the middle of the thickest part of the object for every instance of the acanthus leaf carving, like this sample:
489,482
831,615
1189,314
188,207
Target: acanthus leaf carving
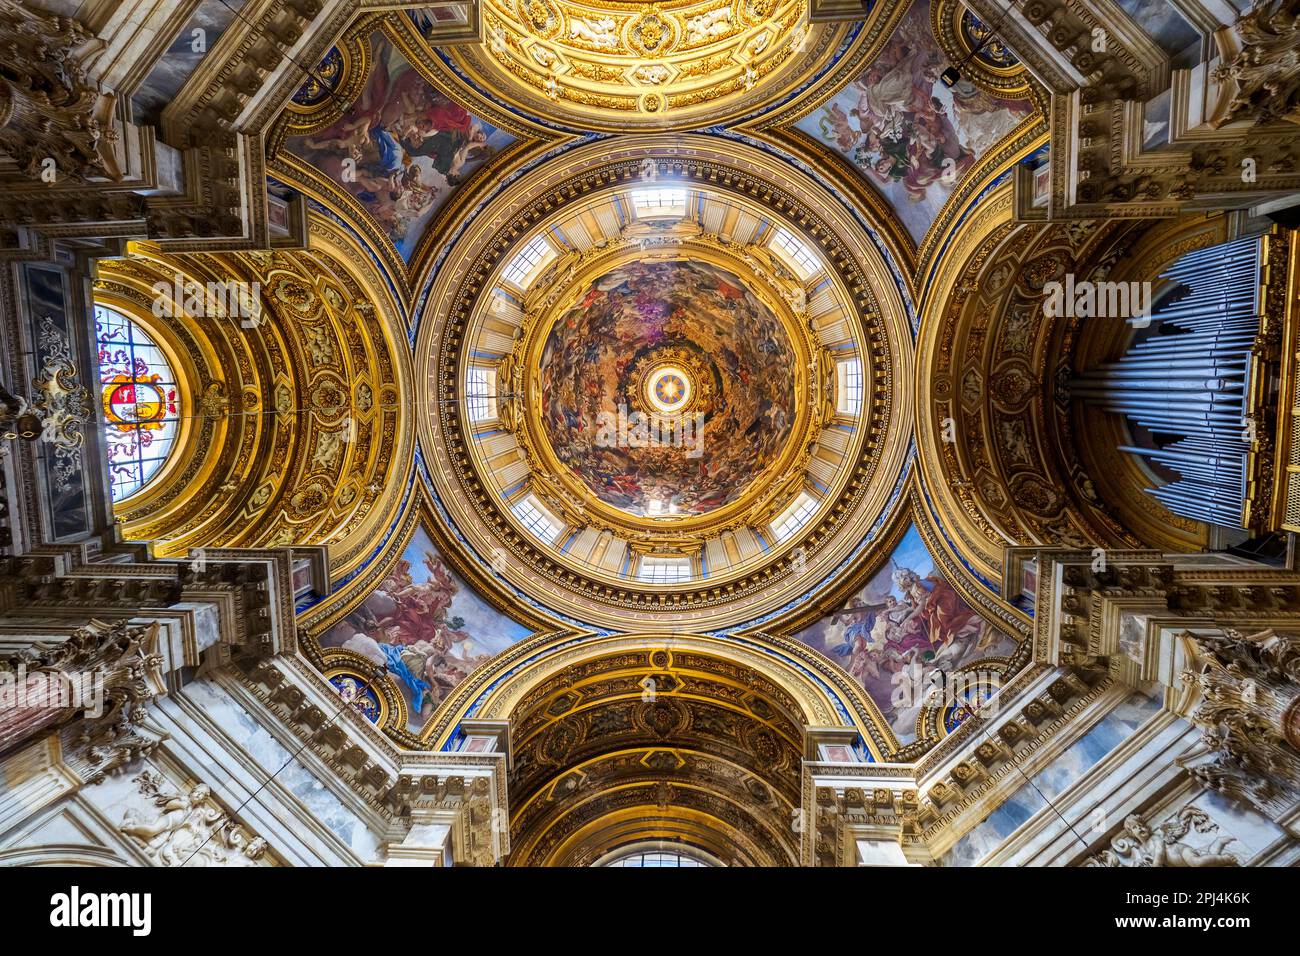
1248,689
1265,72
49,111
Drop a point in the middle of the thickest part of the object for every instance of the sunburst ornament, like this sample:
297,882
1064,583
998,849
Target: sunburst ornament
668,389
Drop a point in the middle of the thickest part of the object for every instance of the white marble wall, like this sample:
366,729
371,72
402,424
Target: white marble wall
153,812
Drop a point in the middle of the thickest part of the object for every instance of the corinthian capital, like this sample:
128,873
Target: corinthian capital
1266,68
97,683
1249,700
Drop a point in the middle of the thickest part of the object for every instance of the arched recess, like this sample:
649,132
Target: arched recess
69,854
677,740
825,695
998,444
298,431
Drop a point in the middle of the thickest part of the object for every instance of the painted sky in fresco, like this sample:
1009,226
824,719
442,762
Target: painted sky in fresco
910,135
906,617
402,148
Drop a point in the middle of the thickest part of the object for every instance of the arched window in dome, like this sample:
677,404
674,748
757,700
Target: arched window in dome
657,854
141,402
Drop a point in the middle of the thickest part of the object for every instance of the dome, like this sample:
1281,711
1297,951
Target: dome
667,387
605,64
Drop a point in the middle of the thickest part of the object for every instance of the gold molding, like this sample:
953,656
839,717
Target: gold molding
618,66
799,670
595,168
1009,81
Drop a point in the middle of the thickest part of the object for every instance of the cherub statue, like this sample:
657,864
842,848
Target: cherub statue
1141,844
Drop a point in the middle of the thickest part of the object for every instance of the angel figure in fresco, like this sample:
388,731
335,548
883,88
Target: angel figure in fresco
448,135
838,127
407,622
401,145
421,607
897,123
936,608
868,630
344,137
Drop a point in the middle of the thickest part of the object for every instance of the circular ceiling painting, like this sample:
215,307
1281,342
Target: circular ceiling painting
667,388
612,64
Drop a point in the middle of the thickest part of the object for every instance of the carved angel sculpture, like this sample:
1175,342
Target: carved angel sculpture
1141,844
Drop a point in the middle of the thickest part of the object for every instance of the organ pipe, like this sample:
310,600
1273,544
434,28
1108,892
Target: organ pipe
1188,381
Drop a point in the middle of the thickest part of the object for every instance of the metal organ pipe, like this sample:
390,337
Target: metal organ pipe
1188,379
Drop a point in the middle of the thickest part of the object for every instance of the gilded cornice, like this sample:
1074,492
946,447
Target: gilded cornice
296,439
824,693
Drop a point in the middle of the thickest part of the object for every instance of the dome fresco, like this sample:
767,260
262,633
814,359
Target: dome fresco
686,379
720,405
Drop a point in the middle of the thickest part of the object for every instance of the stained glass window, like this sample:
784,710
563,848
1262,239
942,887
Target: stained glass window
141,402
